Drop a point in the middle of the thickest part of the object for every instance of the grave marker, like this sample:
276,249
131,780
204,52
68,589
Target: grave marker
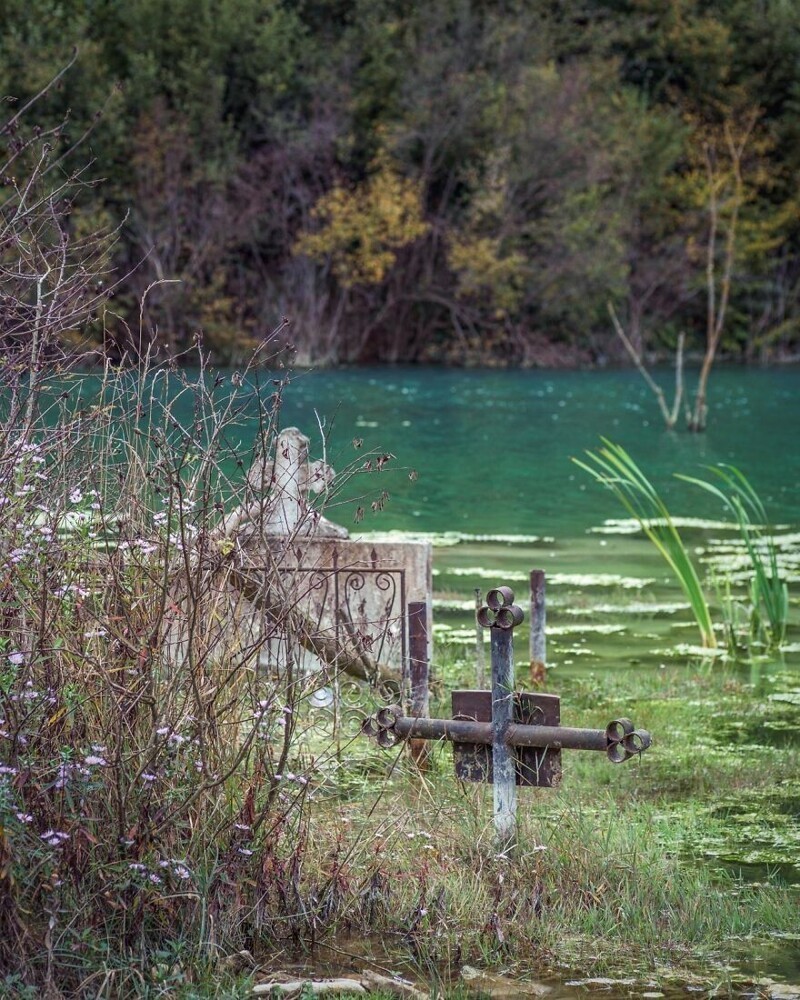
523,730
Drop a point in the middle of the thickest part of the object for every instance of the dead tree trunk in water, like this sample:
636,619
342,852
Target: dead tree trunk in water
670,415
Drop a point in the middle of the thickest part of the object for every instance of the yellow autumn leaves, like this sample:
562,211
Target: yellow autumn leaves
362,230
483,268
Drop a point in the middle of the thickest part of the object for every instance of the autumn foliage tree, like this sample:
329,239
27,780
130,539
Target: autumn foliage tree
455,182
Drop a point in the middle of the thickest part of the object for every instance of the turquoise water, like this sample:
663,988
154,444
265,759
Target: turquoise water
492,448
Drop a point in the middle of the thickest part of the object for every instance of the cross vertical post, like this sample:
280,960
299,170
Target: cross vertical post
419,674
503,761
500,614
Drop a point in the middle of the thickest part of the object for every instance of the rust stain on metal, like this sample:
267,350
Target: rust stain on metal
535,766
473,761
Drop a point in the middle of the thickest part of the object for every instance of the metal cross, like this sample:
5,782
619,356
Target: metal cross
505,737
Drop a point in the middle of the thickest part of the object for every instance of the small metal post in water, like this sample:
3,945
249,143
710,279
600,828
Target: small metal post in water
538,643
500,614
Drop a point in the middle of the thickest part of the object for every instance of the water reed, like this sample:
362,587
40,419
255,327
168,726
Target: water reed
769,595
613,467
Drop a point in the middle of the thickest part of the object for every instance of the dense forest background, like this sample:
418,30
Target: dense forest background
461,181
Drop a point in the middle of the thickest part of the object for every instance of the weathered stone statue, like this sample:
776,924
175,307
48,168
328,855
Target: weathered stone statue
283,484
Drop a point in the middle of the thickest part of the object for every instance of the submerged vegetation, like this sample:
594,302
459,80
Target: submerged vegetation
614,468
769,594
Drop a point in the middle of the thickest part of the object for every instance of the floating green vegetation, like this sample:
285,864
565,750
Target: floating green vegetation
446,604
511,539
553,579
480,573
773,724
652,608
735,563
599,580
458,636
789,697
758,827
447,539
632,526
683,649
597,629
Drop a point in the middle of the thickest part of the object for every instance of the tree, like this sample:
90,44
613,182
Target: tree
724,178
55,276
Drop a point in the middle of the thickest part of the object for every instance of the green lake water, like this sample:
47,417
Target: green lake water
492,448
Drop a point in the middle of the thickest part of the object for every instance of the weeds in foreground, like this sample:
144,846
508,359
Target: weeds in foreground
155,768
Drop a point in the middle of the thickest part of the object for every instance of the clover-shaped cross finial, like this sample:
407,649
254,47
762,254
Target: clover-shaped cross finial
500,611
624,742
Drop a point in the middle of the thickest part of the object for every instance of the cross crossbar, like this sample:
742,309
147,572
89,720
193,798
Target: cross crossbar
619,740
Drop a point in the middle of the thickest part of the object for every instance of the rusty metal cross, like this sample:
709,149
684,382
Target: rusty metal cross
502,736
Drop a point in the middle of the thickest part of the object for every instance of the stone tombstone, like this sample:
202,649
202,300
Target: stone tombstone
356,591
284,482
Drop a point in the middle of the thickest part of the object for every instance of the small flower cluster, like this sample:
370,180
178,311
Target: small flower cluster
54,838
71,590
243,833
27,541
37,524
173,738
139,546
155,875
297,778
179,530
29,693
68,772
